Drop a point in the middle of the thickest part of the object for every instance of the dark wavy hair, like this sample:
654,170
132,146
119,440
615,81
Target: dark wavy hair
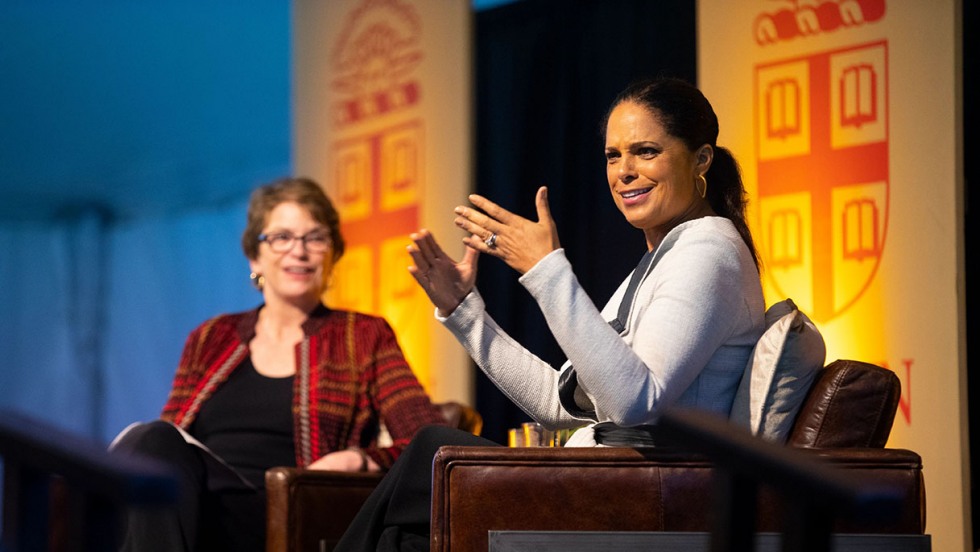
687,115
303,191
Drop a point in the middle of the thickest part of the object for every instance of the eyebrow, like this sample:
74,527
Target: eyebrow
275,230
653,143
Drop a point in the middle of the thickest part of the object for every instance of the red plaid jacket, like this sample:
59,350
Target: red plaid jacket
350,376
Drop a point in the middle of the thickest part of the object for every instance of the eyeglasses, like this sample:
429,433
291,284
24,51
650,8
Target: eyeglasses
316,241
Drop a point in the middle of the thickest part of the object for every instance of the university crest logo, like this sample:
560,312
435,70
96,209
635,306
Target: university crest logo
376,157
822,150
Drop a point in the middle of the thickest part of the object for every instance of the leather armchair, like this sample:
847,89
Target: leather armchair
845,421
311,509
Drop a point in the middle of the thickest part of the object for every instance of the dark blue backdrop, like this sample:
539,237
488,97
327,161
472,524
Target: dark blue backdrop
130,135
546,72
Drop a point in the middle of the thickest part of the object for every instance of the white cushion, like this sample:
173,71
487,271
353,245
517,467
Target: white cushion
782,366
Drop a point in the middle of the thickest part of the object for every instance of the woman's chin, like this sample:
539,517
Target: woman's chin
299,296
638,222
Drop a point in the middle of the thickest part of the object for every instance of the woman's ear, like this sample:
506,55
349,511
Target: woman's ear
705,155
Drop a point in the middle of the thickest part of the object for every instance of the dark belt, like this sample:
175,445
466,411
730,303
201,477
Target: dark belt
611,435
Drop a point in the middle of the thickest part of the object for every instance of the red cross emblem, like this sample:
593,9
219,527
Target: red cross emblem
378,177
822,150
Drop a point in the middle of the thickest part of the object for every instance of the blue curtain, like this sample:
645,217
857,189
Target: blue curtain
96,311
132,133
166,276
46,347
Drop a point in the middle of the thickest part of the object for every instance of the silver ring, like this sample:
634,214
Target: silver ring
491,240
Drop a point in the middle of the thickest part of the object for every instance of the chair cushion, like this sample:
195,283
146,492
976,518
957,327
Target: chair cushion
781,369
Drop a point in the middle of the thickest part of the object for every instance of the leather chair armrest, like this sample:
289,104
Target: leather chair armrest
479,489
307,507
896,468
311,509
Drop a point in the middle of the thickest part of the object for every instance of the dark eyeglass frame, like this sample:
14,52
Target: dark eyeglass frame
314,241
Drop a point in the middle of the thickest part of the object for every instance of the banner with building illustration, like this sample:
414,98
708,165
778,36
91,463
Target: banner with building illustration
844,117
382,111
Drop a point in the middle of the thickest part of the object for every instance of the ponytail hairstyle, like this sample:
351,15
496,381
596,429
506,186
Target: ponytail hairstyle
686,114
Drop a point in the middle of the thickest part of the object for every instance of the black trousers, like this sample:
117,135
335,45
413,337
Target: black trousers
206,517
396,516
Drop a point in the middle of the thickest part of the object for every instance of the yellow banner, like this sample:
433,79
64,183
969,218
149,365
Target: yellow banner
382,115
843,116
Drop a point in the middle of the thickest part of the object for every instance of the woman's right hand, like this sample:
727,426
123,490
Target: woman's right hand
445,281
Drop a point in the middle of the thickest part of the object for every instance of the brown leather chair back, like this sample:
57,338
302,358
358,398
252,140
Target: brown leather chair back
850,404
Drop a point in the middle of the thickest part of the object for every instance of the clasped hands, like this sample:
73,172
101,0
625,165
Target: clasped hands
348,460
493,230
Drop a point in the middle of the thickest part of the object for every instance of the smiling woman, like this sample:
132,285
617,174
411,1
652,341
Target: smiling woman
662,151
292,241
291,383
651,172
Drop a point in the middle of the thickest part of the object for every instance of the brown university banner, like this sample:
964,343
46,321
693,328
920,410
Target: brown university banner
382,113
846,118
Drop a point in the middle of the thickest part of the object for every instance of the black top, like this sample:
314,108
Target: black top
248,422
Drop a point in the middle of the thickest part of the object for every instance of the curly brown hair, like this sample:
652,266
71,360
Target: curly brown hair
305,192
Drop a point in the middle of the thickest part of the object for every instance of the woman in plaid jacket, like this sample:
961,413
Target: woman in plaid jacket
292,382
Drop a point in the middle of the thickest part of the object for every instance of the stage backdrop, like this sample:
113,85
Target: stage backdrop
845,116
382,119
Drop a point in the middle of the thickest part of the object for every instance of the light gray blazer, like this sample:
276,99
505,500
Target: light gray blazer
695,317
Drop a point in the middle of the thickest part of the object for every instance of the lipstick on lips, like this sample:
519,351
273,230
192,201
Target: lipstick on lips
634,196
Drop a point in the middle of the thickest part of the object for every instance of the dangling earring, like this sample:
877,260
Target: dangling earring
258,281
702,191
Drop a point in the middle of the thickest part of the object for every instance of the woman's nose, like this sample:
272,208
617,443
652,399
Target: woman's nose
298,249
627,171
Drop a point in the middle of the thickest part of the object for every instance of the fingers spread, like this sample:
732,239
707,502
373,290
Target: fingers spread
417,274
434,247
466,222
421,265
470,256
475,222
495,211
427,245
477,243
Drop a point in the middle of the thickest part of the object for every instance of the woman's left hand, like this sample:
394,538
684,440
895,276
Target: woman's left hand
344,460
519,242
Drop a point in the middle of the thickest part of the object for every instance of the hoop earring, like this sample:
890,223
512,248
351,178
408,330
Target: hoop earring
258,281
702,191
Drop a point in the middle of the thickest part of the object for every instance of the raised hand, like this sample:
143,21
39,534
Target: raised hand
445,281
516,240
